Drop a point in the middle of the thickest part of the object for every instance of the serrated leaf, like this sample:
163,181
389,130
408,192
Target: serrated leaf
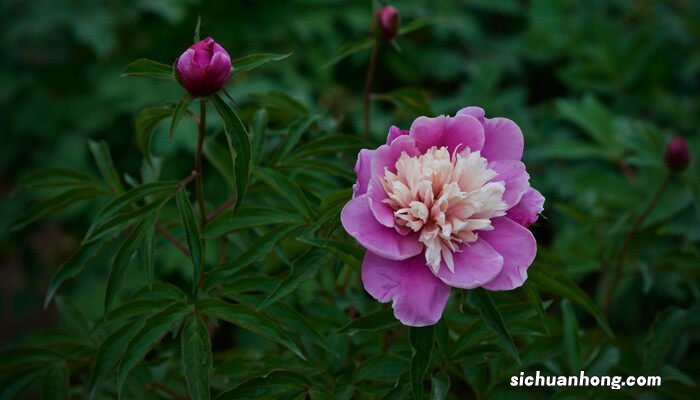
178,112
110,352
572,346
305,267
151,333
249,319
493,319
239,146
196,357
273,383
125,255
150,69
54,386
194,239
422,341
103,159
349,49
373,322
560,284
287,189
71,268
146,122
252,61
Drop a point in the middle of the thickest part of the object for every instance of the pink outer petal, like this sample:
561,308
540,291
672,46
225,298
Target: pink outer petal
385,157
462,131
395,132
518,248
419,297
363,172
528,209
476,112
475,264
517,180
358,221
504,140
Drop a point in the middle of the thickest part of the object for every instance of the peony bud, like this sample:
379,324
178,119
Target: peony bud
387,21
677,155
203,68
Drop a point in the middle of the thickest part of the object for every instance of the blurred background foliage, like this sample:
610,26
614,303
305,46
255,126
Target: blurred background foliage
598,87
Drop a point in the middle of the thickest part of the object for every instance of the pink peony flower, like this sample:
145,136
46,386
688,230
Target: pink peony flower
444,204
203,68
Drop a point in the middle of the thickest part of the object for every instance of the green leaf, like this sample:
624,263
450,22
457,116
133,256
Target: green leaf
383,367
194,239
305,267
221,158
536,301
178,112
572,346
196,357
257,251
411,101
422,341
121,220
275,382
132,196
329,144
293,137
252,61
295,321
151,333
18,380
196,29
440,386
54,203
259,132
150,69
373,322
125,255
103,159
493,319
560,284
249,319
414,25
54,386
662,336
110,352
148,255
349,49
239,146
71,268
59,177
350,254
249,217
146,122
287,189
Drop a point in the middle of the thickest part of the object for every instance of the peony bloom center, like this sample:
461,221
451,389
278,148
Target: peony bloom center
446,198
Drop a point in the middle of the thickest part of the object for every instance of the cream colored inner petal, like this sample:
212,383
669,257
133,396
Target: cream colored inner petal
445,197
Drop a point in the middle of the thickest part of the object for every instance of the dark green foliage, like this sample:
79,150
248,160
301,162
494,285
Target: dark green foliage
264,299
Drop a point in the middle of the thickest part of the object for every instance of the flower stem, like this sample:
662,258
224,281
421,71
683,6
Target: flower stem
620,258
368,85
198,160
